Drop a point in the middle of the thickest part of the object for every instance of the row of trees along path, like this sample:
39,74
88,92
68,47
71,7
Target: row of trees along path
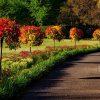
13,35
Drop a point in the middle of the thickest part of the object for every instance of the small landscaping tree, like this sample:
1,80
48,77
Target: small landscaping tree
76,34
55,33
96,35
31,35
9,31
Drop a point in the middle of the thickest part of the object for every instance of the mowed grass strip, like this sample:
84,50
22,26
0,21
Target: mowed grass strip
48,42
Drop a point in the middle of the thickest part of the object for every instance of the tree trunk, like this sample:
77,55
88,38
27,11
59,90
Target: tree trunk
1,44
30,49
54,44
75,44
99,42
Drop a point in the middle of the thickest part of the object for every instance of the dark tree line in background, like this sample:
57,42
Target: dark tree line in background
38,12
84,14
83,11
49,12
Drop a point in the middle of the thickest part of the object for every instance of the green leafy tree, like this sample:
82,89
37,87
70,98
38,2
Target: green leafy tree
15,9
4,8
38,12
53,7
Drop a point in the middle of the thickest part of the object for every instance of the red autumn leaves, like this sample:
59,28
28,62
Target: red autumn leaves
9,30
13,34
5,26
31,34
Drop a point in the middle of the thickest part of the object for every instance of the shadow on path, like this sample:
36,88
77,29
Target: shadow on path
47,81
90,78
34,89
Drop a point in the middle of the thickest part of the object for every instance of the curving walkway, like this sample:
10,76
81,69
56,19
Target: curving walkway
75,80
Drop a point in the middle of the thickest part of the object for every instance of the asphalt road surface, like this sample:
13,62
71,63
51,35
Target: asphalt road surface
75,80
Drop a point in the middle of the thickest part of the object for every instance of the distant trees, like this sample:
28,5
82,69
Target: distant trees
24,11
86,10
53,7
67,16
38,12
46,12
14,9
82,11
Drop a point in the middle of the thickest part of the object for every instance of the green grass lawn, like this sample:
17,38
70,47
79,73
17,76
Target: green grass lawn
49,42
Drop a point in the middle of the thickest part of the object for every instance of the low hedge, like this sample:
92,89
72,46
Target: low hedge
13,85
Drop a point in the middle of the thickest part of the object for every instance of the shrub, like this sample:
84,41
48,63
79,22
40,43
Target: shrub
24,54
13,67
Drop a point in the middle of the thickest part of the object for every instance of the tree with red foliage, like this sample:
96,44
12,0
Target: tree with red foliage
76,34
9,31
31,35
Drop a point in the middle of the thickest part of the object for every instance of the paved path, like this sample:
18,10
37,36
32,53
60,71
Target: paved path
75,80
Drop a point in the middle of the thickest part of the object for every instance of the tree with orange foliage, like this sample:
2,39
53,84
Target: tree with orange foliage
55,33
31,35
96,34
76,34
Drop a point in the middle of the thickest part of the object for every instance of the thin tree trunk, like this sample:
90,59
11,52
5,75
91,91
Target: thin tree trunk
99,42
1,44
60,47
54,44
30,49
75,44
